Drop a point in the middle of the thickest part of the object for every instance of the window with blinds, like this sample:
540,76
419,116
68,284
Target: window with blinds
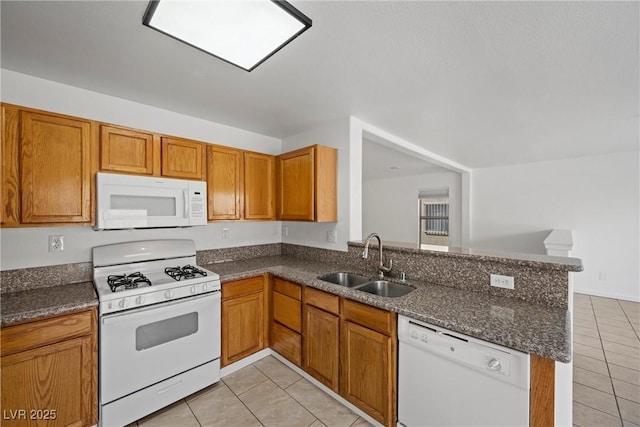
434,216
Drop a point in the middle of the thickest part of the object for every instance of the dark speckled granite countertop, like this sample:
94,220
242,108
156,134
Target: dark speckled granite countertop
20,306
513,323
530,328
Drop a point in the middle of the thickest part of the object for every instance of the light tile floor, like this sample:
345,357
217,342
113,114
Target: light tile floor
606,362
266,393
606,382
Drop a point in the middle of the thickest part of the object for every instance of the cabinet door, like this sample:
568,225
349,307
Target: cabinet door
10,163
224,183
368,381
127,150
55,169
182,158
54,381
321,345
259,178
295,182
242,327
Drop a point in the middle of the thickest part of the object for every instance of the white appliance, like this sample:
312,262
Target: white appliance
449,379
159,328
130,201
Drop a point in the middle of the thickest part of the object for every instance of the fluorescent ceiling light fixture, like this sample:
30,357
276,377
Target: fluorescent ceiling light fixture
242,32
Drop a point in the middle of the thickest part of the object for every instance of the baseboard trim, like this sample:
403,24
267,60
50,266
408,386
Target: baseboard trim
606,295
243,363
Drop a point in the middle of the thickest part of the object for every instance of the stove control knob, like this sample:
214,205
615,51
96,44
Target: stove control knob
193,289
168,294
204,287
140,300
124,303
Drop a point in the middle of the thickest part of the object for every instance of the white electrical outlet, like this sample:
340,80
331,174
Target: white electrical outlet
56,243
225,233
332,236
285,231
500,281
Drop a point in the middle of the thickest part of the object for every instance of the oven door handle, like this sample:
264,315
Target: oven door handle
156,308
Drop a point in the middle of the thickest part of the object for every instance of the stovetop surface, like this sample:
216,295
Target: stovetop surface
148,258
154,271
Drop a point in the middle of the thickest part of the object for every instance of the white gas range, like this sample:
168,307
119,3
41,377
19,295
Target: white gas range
159,326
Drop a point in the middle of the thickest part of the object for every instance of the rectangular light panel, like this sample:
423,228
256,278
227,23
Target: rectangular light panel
242,32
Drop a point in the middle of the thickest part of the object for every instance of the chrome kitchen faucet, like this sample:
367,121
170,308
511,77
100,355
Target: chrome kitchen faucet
365,254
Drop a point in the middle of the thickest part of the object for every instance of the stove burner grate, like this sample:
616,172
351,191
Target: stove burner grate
186,272
127,281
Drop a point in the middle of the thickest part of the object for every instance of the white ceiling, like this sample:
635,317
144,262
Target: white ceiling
381,161
481,83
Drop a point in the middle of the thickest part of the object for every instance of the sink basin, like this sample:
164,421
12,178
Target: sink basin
384,288
348,280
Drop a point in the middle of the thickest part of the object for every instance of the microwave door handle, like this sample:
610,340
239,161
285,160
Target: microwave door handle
185,195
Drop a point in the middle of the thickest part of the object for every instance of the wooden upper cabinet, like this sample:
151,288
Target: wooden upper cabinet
307,185
56,168
182,158
259,191
10,163
224,182
129,151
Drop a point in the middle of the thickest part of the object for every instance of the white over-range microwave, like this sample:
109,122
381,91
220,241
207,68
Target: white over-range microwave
129,201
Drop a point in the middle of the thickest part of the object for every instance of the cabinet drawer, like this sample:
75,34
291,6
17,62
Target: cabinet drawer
287,288
323,300
48,331
287,311
287,343
379,320
238,288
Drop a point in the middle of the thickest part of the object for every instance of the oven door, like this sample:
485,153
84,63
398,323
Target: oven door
141,347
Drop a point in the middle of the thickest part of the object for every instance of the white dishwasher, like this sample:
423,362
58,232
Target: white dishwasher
449,379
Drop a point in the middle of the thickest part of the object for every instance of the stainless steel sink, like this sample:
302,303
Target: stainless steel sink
384,288
348,280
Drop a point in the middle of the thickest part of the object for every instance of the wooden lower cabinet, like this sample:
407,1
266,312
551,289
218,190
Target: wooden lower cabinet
321,346
286,320
50,382
368,361
243,319
542,392
286,342
321,343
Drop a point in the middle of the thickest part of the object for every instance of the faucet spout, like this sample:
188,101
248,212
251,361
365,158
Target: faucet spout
365,254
